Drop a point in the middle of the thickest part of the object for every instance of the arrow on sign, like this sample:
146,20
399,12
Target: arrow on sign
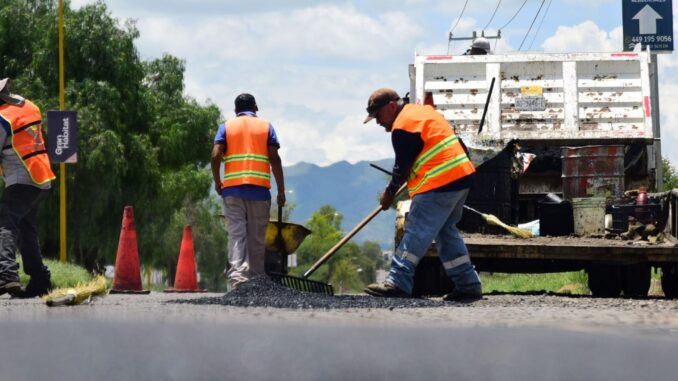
647,20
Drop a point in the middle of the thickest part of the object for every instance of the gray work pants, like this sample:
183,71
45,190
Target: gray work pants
18,229
246,221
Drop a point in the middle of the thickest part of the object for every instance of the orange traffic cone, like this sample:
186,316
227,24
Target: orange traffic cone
186,278
127,270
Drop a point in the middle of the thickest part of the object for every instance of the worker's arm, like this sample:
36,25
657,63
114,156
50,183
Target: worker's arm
276,168
407,146
217,156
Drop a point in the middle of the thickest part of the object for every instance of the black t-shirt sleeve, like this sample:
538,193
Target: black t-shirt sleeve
407,146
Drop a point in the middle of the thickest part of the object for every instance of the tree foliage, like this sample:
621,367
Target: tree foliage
351,268
209,238
670,175
142,142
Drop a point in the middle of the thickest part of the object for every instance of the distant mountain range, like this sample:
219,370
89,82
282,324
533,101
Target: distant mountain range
352,189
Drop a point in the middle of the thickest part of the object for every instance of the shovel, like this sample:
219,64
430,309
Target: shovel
303,283
284,236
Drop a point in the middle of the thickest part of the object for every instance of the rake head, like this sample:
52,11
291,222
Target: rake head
302,284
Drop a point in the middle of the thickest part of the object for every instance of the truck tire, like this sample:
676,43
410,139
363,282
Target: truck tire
670,281
605,281
636,280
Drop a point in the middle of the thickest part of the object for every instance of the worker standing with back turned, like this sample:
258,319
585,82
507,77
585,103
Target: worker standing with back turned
248,146
27,176
439,174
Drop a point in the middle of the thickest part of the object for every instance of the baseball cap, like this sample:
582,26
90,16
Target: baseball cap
378,99
8,97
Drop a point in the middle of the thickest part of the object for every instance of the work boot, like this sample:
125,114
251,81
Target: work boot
33,290
463,296
386,290
29,293
9,286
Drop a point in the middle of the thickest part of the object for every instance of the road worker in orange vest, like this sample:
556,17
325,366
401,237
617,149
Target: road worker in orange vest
432,160
248,147
27,175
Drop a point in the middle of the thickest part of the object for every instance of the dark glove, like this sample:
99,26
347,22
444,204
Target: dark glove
386,200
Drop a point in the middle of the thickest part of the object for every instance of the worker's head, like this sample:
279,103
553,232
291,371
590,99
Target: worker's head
245,102
480,46
384,105
8,97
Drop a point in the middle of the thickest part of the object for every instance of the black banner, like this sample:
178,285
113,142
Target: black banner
62,136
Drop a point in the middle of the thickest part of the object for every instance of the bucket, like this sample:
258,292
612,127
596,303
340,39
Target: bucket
555,218
589,215
593,171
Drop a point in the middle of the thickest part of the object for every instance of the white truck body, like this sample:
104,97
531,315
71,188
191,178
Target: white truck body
566,98
546,102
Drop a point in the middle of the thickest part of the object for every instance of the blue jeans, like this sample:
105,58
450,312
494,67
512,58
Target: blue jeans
434,215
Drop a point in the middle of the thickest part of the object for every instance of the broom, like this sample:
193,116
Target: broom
78,294
489,218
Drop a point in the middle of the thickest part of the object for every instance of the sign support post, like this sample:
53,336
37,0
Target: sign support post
63,256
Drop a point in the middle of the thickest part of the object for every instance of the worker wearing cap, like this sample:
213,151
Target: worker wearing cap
431,159
248,147
27,175
479,46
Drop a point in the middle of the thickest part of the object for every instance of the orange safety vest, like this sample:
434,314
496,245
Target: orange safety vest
27,140
246,157
442,160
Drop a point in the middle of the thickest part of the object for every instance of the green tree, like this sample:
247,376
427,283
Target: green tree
142,142
351,268
670,175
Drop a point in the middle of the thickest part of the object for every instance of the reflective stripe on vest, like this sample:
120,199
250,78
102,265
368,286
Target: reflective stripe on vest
27,139
442,159
246,157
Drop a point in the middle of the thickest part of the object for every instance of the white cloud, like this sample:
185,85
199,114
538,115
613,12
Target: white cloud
321,32
584,37
353,141
349,140
668,98
312,63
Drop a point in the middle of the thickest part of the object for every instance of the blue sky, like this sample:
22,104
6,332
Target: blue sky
312,64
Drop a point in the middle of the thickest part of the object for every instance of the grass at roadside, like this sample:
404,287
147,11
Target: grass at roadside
568,282
63,274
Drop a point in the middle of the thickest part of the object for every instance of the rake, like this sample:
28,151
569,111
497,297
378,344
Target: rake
302,283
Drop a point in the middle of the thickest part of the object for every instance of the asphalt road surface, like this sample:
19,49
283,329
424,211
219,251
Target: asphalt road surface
503,337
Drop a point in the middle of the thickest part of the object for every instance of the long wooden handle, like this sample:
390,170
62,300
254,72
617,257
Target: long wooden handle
348,236
61,300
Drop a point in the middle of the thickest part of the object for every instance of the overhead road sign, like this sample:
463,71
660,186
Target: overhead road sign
649,23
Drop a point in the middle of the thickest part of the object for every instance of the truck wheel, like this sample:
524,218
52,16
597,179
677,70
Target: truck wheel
636,280
605,280
670,281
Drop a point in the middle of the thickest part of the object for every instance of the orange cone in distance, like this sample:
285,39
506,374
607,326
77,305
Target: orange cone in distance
186,279
127,278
